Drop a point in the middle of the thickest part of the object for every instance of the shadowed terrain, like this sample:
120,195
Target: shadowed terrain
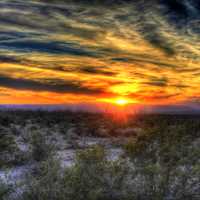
77,155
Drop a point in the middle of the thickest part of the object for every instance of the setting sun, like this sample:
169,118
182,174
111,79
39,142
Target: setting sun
121,102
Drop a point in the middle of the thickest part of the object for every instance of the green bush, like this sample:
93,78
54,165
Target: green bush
42,149
7,143
92,177
163,159
5,190
95,178
9,152
45,183
162,162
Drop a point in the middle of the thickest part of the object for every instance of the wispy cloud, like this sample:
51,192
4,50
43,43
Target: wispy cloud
52,85
147,50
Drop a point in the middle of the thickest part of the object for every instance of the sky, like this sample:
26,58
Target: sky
95,51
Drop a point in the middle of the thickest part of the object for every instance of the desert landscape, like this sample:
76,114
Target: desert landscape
99,100
77,155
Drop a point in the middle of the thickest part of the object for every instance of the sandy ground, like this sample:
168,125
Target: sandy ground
65,154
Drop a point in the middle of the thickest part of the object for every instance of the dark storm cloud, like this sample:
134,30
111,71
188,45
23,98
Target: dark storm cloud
53,85
165,96
181,10
158,96
96,71
181,86
160,82
151,33
8,59
52,47
145,59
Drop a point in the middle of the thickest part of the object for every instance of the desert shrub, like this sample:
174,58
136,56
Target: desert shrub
41,148
15,129
85,179
95,178
5,190
45,183
92,177
9,153
6,142
185,183
164,159
5,119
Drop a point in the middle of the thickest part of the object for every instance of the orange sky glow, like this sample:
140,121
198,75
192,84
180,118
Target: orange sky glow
75,54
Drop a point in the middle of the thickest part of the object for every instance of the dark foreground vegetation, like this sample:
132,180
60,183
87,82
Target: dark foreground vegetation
160,157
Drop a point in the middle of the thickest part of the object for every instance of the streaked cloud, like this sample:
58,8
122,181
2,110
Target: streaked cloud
65,51
50,85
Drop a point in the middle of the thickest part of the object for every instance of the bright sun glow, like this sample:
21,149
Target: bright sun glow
121,102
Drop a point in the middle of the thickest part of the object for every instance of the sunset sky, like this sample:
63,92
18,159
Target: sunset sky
73,51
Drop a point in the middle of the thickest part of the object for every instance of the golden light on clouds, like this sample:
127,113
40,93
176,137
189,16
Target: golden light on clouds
124,89
130,52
